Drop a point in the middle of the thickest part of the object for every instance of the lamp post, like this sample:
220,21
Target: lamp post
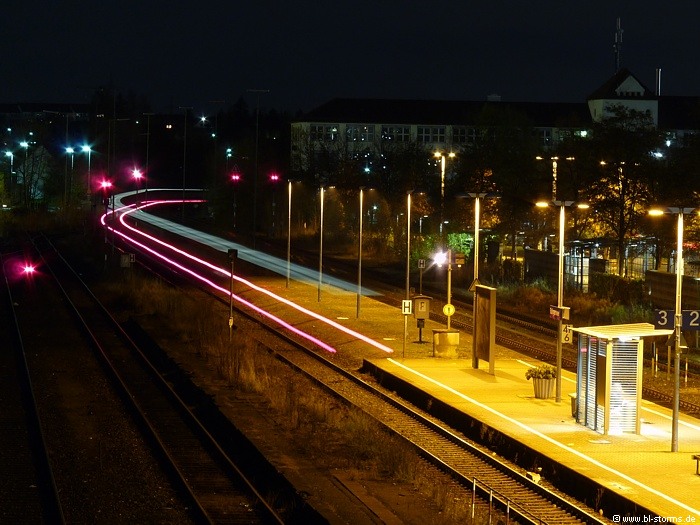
555,166
477,216
136,173
235,179
274,178
562,205
441,258
12,163
408,264
85,148
408,241
441,156
359,254
678,319
67,181
289,230
106,186
24,144
320,249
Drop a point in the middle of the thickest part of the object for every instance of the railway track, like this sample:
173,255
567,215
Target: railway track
32,496
538,339
477,469
206,472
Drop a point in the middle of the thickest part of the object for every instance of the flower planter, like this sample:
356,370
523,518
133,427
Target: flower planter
543,387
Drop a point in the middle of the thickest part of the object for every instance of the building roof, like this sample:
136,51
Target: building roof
609,90
623,331
443,112
34,108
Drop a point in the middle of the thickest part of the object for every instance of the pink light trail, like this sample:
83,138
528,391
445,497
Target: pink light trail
126,210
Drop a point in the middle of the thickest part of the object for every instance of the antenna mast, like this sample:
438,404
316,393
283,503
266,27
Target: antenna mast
617,46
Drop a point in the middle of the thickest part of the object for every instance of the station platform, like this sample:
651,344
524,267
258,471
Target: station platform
639,468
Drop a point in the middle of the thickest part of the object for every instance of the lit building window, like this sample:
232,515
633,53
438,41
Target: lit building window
323,132
396,133
360,133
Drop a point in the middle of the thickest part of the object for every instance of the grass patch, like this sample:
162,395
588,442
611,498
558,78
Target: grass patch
325,429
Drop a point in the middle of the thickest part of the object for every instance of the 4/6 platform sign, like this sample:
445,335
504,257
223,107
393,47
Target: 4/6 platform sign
666,319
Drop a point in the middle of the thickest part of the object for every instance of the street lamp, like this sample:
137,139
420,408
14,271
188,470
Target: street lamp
408,263
289,230
235,179
678,322
359,254
320,249
555,165
87,149
136,173
24,144
12,163
106,186
420,223
69,151
274,178
441,156
441,258
562,205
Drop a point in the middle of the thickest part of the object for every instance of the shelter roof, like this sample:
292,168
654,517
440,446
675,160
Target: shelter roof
623,331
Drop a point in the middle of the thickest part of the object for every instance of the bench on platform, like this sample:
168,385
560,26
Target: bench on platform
696,457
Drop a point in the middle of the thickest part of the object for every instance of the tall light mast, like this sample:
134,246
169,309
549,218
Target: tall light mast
617,46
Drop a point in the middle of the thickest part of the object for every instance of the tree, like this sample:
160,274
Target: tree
500,161
620,174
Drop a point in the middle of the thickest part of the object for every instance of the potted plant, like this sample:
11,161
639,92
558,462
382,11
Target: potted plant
543,378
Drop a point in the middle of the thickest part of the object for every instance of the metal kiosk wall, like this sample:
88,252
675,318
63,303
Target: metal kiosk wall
609,376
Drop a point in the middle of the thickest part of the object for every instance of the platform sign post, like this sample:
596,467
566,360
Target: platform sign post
484,333
567,333
421,311
421,267
406,310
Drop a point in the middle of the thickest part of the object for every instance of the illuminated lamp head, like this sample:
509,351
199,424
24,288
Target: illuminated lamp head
440,258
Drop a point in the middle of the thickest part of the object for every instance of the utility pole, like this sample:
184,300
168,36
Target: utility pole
617,46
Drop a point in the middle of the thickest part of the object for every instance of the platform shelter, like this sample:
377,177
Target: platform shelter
609,376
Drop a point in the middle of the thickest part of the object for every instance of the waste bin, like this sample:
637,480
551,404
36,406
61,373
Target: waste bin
574,405
445,342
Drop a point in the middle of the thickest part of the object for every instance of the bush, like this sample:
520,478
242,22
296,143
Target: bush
541,372
616,289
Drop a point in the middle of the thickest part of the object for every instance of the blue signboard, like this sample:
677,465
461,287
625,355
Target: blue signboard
666,319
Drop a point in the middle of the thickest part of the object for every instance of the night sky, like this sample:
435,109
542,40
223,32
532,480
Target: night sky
209,53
